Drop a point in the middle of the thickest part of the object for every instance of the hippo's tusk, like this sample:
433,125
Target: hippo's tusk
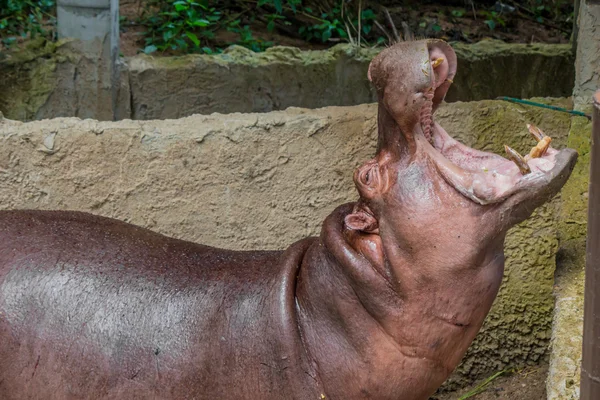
437,62
518,159
543,142
540,149
536,132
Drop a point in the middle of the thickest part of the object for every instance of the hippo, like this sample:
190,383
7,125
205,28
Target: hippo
382,305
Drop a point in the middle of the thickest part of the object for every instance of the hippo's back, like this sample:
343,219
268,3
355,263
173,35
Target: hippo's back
91,307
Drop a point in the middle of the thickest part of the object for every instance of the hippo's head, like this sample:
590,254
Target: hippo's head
420,172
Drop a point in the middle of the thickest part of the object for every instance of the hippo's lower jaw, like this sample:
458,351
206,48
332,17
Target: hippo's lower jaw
488,178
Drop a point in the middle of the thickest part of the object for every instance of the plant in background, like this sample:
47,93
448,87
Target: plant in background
493,19
247,39
331,25
26,18
560,11
181,25
339,23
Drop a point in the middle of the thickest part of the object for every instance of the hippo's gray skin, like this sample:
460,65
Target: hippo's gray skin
383,305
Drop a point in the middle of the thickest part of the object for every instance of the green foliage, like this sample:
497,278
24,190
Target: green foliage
23,18
338,23
247,39
181,25
458,13
190,25
493,19
560,11
330,26
201,26
292,5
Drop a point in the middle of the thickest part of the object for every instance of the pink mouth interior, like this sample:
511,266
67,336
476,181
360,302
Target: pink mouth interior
492,177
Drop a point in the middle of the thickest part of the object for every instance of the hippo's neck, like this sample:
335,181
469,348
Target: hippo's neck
370,341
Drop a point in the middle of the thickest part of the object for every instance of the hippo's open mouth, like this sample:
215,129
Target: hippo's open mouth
481,176
487,177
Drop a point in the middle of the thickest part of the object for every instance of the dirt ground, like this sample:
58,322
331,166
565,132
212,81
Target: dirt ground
527,384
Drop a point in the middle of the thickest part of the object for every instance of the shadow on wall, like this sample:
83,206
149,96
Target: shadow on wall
57,80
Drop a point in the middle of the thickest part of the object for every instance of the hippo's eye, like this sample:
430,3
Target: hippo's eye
368,175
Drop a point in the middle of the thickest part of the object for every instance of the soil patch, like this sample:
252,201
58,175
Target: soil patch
527,384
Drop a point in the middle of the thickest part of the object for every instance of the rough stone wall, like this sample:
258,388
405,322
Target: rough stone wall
49,80
587,63
263,181
492,68
58,81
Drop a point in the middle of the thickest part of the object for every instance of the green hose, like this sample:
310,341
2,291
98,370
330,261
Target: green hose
533,103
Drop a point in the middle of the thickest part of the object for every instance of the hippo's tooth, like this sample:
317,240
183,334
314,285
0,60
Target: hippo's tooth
536,132
518,159
437,62
543,142
540,149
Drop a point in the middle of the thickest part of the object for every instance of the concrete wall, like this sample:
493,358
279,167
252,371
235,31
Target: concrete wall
56,80
263,181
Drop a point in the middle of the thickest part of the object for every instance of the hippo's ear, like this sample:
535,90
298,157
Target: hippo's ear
361,220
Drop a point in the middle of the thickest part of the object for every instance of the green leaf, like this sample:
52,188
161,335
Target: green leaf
308,9
207,50
436,28
201,22
368,14
271,25
181,7
342,33
150,49
366,29
193,38
278,7
490,23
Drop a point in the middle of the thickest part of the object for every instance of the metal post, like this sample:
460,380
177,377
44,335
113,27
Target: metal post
590,368
114,56
95,23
